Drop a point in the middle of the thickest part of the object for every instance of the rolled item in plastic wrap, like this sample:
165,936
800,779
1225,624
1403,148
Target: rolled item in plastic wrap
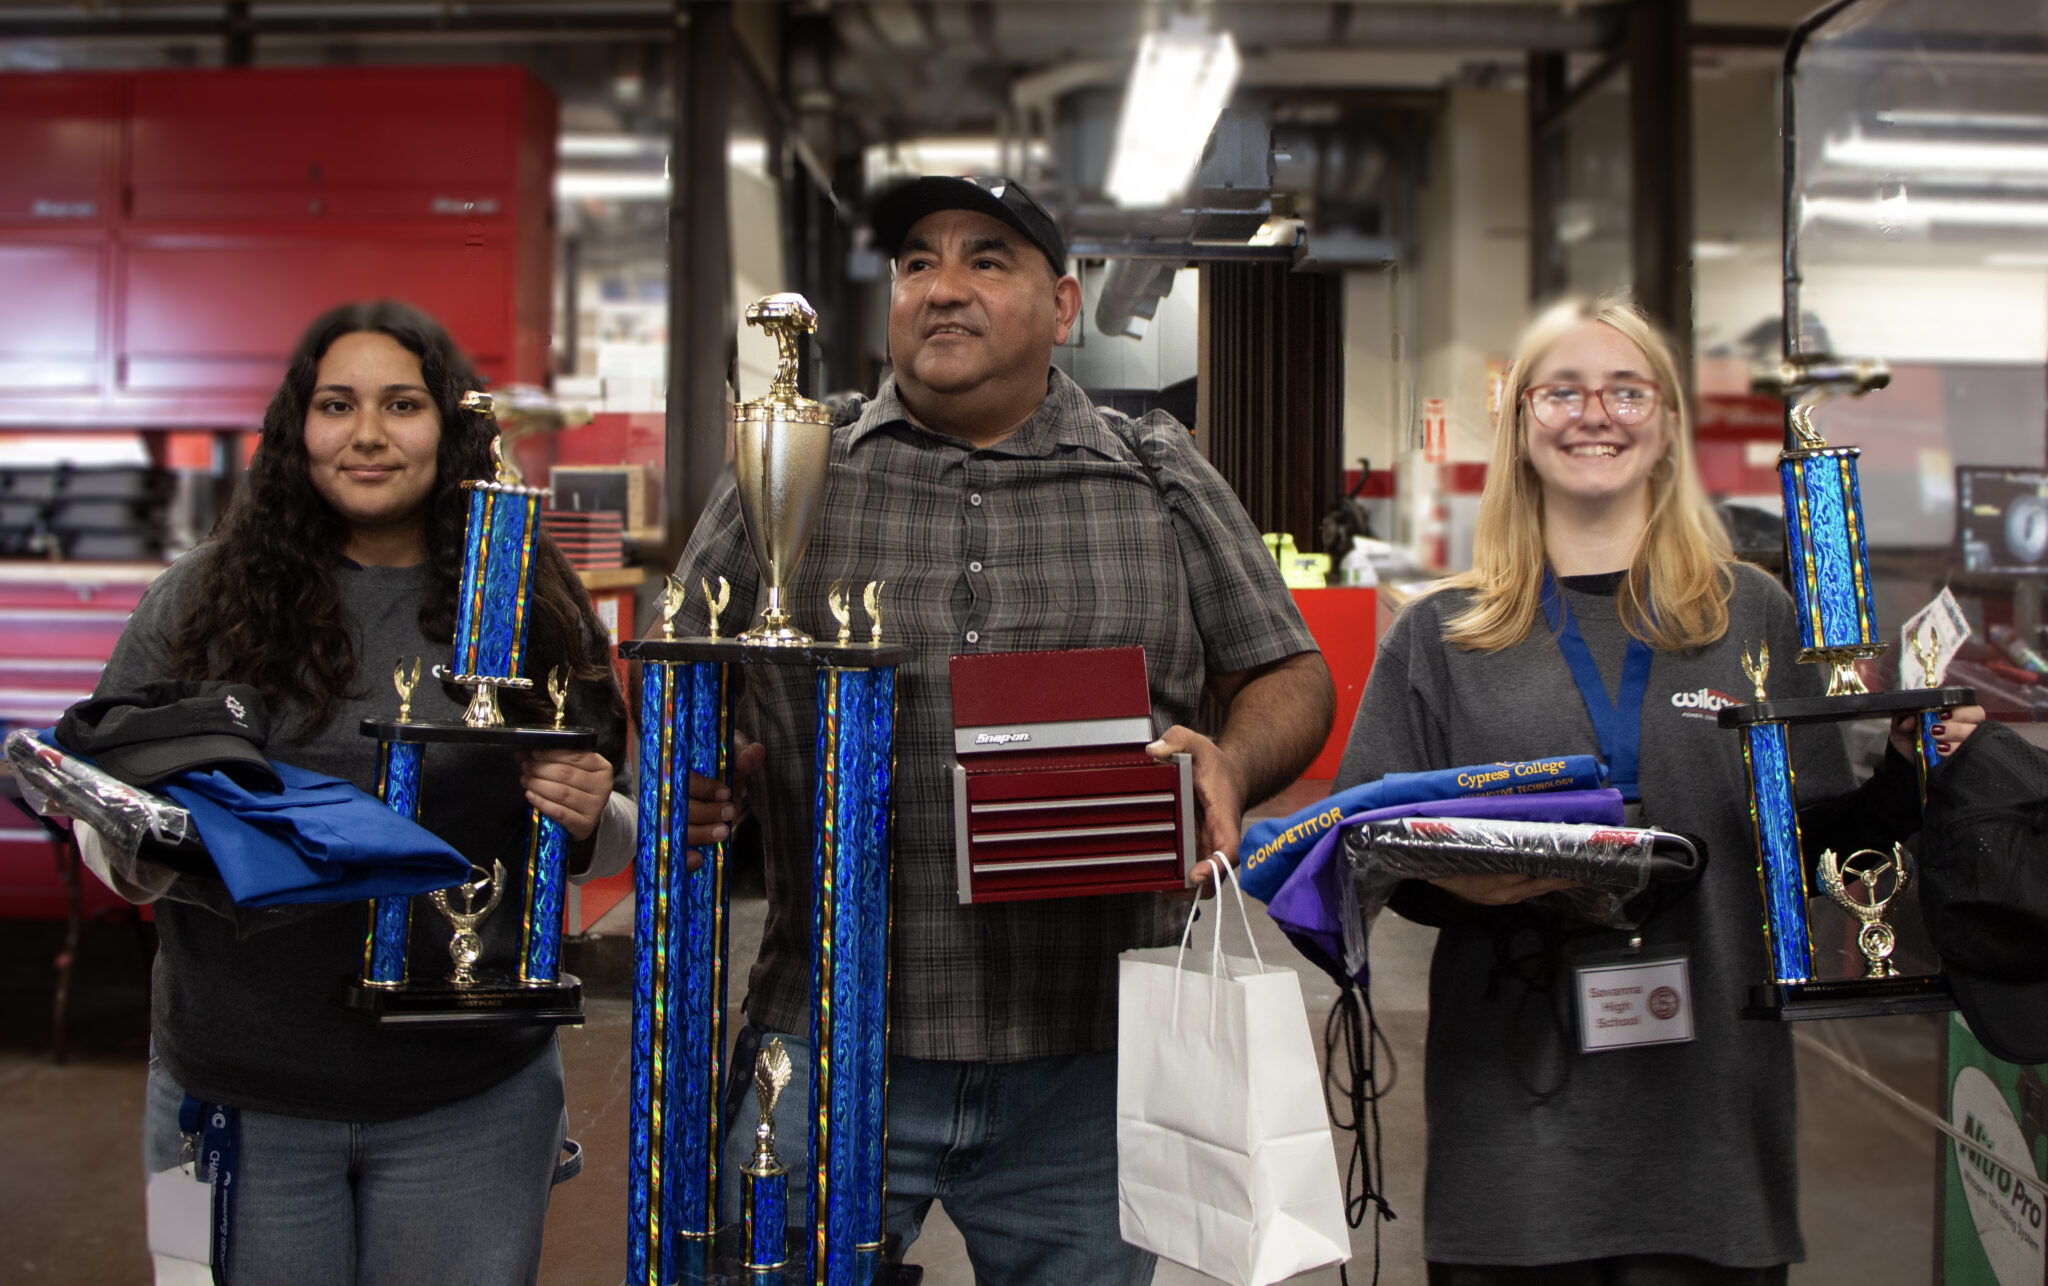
1609,864
126,818
61,785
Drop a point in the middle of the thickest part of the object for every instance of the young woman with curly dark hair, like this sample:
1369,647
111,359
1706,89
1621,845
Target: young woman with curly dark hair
368,1153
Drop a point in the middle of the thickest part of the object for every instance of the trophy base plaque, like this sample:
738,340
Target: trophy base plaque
1791,1002
493,1000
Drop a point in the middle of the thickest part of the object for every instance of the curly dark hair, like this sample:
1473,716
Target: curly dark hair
273,614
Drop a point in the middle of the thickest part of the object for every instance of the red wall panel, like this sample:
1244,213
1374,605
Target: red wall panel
52,313
332,127
60,142
194,307
254,200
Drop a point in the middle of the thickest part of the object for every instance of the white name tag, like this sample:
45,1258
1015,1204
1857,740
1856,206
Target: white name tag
1634,1002
180,1216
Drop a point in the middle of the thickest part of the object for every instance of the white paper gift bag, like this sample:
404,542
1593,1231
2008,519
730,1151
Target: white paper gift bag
1224,1156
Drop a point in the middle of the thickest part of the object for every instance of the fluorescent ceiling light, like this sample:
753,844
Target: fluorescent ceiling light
1965,120
886,163
1181,81
1869,153
1899,210
575,185
1716,249
612,145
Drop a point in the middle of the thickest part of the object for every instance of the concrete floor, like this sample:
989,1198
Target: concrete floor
71,1191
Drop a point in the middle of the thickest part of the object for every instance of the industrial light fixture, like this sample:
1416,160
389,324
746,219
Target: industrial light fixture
1898,211
1908,154
1182,79
1953,120
610,185
582,145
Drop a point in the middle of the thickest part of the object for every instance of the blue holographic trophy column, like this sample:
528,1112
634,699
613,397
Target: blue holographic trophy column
546,872
1781,868
680,935
398,785
1829,555
849,940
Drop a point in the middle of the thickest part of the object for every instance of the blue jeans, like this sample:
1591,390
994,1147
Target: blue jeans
452,1196
1023,1156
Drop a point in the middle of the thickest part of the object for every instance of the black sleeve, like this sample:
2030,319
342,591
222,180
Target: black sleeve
1882,811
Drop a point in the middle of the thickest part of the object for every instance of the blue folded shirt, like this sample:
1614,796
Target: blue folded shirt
319,839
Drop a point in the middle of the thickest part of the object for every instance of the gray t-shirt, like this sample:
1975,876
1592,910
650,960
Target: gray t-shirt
1539,1153
252,1021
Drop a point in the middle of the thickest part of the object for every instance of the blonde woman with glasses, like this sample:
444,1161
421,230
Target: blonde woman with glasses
1605,614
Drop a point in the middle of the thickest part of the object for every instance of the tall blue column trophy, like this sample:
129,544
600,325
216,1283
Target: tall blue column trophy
490,653
1829,567
680,936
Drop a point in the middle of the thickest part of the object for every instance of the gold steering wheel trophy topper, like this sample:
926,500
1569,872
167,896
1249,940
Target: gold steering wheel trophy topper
1875,939
467,946
783,447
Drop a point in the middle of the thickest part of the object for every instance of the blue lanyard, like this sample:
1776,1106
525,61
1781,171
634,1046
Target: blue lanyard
220,1132
1618,724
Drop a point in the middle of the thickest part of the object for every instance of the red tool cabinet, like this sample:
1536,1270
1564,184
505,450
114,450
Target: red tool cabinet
165,236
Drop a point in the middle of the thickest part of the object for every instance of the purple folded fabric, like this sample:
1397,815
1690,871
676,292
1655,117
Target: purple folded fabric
1310,903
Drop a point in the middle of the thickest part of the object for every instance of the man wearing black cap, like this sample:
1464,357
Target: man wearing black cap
1006,513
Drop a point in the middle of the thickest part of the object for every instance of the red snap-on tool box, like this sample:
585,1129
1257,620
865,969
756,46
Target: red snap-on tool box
1053,793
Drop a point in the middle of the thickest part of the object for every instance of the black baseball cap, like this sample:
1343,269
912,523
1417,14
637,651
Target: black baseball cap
1984,887
897,210
159,730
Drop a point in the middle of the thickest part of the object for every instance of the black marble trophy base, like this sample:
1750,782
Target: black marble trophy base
1792,1002
494,1000
1860,705
521,736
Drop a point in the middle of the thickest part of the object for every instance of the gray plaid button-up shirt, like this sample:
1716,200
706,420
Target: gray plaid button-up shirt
1083,529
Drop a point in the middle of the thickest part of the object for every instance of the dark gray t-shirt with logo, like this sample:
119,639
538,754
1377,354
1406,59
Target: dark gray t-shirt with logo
1539,1153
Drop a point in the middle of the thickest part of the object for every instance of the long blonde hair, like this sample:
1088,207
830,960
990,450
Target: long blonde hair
1680,562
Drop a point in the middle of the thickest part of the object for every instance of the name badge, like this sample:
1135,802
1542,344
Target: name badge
179,1210
1625,1003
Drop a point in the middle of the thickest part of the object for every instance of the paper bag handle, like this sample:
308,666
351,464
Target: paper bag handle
1228,876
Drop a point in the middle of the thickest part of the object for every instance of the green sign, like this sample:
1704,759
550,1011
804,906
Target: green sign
1994,1228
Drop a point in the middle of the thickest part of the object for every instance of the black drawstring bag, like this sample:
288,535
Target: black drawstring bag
1984,887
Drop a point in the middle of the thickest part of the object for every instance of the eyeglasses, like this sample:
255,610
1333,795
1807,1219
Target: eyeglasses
1559,406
